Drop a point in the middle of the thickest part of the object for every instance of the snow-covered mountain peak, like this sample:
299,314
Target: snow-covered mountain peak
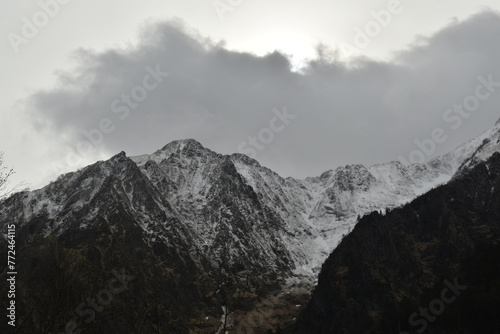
245,159
352,177
326,176
119,157
183,144
470,153
177,149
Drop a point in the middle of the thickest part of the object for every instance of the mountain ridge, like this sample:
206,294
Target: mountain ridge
323,208
386,275
224,218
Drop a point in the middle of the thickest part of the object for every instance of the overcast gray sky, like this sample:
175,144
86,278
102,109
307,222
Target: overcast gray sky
316,84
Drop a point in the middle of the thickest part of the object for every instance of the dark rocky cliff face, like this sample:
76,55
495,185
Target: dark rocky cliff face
431,266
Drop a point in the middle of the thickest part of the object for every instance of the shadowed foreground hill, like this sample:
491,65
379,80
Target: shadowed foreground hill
433,266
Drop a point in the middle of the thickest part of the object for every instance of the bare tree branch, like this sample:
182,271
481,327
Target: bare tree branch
5,185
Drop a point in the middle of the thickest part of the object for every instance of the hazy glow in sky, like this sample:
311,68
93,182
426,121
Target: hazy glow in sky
260,27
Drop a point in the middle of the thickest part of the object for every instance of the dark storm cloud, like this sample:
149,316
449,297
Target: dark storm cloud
364,112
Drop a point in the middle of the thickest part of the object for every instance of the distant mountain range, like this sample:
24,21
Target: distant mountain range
208,238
